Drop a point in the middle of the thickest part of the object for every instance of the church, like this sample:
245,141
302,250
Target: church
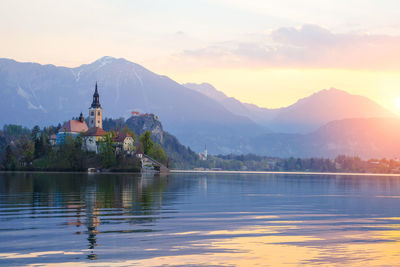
93,133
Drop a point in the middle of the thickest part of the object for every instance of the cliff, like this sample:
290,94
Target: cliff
179,155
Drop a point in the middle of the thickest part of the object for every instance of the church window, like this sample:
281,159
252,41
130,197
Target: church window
92,113
98,113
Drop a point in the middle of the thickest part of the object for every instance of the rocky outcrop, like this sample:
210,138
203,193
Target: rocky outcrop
146,122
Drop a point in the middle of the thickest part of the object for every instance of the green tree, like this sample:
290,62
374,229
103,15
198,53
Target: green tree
9,159
26,150
107,151
147,143
15,130
42,146
35,133
70,154
130,132
159,154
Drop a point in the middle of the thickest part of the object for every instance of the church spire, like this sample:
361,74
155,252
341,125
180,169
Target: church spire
96,93
96,100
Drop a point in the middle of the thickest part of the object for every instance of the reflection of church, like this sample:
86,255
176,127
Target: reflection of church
94,133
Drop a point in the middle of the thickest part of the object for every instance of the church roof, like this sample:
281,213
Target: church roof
74,126
95,131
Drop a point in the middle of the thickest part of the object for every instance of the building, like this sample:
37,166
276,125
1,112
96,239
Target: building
72,128
95,111
53,139
95,133
92,138
125,142
92,134
203,155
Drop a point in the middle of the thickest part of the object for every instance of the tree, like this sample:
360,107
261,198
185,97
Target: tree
147,143
9,159
130,132
15,130
26,150
35,133
70,154
159,154
107,151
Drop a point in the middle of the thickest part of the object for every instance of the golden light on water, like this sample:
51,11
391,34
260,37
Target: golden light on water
275,243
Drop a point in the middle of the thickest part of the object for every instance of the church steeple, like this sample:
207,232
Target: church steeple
96,100
95,111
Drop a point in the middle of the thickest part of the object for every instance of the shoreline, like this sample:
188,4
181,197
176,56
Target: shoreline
219,172
288,172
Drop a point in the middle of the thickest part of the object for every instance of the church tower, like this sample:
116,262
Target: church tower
95,111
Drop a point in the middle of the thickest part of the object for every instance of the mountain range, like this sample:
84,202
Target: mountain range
32,94
197,114
304,116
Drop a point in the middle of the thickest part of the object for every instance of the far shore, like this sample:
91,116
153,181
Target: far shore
283,172
219,172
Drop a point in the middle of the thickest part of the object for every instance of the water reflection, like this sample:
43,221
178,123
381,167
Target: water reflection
198,219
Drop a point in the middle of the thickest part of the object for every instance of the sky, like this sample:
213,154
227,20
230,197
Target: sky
269,53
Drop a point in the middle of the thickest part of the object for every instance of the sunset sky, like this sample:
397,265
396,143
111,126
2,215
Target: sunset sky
269,53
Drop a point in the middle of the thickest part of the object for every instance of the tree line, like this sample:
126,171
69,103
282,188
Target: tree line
30,149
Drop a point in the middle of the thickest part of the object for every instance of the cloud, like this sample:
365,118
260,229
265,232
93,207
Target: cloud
309,46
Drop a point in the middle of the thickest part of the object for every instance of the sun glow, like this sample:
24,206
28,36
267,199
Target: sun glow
397,101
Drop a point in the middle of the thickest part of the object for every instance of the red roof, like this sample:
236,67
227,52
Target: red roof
74,126
53,137
95,131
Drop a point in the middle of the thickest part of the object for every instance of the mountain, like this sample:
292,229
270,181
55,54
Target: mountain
311,112
31,94
261,116
305,115
366,138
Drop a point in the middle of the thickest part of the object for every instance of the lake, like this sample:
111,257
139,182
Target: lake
199,219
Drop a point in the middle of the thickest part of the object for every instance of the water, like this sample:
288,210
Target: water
199,219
